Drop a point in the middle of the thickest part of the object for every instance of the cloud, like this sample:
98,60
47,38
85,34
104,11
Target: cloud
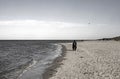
36,23
35,29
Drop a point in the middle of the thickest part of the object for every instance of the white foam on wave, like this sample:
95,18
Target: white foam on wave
37,68
31,65
58,51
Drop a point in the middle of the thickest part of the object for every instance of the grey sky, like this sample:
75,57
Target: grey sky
95,18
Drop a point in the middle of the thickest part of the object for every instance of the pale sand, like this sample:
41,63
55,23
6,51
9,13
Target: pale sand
92,60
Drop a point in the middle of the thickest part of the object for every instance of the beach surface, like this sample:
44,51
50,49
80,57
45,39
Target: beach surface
91,60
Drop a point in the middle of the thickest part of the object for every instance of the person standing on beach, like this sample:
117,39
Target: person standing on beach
74,45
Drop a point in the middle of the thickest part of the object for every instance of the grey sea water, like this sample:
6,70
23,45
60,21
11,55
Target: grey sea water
26,59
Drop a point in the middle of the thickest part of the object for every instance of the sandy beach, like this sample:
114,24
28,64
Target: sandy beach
91,60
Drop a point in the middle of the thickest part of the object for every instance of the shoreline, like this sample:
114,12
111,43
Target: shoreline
50,71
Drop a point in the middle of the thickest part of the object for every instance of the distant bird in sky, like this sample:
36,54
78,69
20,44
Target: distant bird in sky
89,23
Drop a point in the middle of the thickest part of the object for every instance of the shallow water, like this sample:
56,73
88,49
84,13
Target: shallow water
26,59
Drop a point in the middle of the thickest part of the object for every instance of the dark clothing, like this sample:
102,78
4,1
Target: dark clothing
74,45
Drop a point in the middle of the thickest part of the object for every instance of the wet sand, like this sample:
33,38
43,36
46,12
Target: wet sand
49,72
91,60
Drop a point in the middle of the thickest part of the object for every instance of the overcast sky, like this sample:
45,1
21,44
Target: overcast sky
59,19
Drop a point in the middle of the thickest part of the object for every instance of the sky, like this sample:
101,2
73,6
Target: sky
59,19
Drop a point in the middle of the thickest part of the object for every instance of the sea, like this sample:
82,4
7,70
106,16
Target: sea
23,59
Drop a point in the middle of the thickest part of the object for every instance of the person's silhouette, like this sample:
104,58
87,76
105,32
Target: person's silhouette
74,45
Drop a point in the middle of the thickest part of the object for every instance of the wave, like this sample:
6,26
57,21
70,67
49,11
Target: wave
37,68
21,59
